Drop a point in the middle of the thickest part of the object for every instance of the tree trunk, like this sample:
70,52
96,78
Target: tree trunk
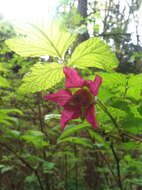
82,10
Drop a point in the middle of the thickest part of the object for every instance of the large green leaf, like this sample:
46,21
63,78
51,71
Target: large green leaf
40,39
42,77
93,53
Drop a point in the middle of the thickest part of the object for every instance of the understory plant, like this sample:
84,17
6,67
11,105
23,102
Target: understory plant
78,157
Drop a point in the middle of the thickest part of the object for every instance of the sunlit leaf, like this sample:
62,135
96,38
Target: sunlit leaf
42,77
40,39
94,53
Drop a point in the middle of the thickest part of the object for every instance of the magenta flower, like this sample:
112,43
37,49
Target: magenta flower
79,104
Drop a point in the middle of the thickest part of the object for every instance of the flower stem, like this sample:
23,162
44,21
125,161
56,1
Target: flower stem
104,108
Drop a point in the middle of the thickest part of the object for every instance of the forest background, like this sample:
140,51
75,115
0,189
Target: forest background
34,153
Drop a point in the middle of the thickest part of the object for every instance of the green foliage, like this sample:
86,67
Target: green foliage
4,82
36,138
2,68
70,130
40,39
5,119
93,53
5,168
34,153
76,140
42,77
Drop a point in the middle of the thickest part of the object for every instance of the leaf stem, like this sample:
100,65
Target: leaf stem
104,108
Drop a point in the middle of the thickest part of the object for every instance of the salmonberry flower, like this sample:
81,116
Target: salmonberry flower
78,104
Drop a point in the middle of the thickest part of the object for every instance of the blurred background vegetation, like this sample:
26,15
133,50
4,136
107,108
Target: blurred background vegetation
33,155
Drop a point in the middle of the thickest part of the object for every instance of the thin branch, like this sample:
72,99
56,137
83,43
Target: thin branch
104,108
109,167
122,134
132,137
117,165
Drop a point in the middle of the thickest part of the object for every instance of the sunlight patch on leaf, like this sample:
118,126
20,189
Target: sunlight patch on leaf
40,39
42,77
52,116
94,53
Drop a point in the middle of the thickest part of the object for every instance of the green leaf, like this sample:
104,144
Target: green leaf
77,140
36,138
3,82
31,178
73,129
133,125
6,168
98,138
135,86
32,158
93,53
7,111
48,167
42,77
42,38
12,133
140,109
2,68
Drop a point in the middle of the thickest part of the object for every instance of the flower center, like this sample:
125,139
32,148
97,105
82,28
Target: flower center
82,97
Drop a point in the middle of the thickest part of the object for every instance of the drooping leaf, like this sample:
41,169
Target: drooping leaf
6,119
73,129
7,111
93,53
41,38
77,140
6,168
42,77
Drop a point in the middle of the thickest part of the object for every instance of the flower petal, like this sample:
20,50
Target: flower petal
91,116
73,80
69,114
94,85
61,97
